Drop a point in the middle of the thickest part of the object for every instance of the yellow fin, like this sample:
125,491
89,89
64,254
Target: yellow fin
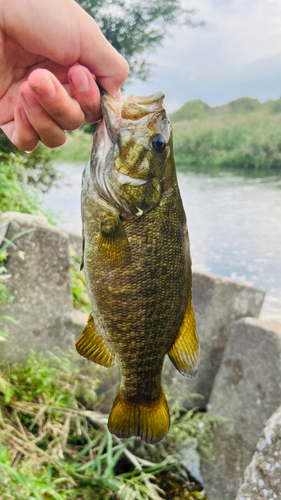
150,422
91,346
113,243
185,352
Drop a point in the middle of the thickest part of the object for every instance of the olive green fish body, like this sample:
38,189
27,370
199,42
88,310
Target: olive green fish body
138,272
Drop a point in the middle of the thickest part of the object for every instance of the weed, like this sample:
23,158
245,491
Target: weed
54,447
78,285
247,142
16,192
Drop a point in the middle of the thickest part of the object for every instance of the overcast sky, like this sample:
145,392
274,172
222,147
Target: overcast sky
237,53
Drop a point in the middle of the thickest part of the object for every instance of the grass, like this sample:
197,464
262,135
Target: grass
77,148
54,444
250,142
16,193
78,284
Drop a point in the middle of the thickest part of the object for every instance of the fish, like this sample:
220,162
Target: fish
137,263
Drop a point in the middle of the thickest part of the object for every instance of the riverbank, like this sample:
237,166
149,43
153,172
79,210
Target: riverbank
249,142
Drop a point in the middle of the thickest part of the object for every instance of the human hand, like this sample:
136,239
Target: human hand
51,55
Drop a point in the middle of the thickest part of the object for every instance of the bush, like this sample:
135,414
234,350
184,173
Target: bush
16,194
39,170
236,143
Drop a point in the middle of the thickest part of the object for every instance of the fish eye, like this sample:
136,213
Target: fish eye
159,143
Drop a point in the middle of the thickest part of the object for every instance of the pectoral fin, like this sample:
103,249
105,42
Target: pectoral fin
113,243
186,350
91,346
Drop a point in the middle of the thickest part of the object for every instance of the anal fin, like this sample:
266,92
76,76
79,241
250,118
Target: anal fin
185,351
91,346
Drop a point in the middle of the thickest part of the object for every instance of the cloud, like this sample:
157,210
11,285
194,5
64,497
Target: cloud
239,47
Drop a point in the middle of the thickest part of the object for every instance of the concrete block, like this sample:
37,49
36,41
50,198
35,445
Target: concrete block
247,390
39,282
262,478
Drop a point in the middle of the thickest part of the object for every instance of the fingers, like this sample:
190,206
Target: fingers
63,32
47,108
20,131
50,133
86,92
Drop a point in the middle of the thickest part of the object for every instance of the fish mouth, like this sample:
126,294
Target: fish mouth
128,109
127,179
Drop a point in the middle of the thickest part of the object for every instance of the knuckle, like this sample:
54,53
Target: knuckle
23,145
91,109
69,117
46,128
55,141
76,124
91,117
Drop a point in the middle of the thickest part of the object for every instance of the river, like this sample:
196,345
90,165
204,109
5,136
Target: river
234,224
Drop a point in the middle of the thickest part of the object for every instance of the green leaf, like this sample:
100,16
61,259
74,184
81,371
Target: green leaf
3,336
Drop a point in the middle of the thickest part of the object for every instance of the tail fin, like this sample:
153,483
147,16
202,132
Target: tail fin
150,422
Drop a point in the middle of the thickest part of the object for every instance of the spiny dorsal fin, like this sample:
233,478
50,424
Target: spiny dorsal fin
91,346
186,350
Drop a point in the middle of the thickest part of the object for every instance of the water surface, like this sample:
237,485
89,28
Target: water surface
234,224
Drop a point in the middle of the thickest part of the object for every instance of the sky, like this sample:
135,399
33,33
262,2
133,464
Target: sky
236,54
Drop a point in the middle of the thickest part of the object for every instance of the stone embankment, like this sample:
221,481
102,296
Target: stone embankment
262,478
247,390
240,372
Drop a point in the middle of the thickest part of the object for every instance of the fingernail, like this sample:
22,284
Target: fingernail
24,117
31,101
46,88
80,81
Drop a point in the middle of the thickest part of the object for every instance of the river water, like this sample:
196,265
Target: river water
234,224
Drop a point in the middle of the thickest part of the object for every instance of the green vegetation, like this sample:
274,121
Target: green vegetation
198,109
77,148
192,110
78,285
23,177
243,134
245,142
54,443
36,169
16,194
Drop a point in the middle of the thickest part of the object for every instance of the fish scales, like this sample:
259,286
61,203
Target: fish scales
138,270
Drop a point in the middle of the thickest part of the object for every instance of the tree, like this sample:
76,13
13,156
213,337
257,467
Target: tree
135,27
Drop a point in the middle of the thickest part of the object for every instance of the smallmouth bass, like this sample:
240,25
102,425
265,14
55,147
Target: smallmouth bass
137,262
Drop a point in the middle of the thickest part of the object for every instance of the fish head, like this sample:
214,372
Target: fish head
132,160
